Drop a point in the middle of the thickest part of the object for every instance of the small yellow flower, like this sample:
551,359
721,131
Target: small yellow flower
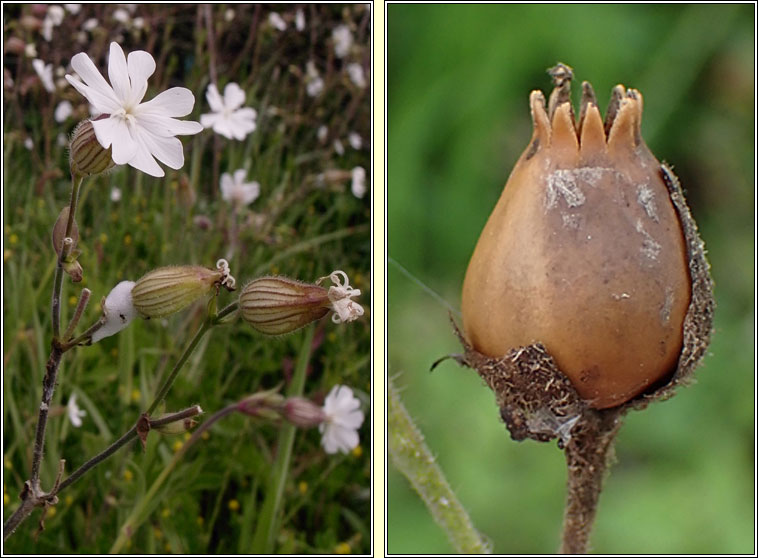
127,239
234,505
357,451
342,548
177,445
7,255
8,463
165,512
302,487
72,300
187,435
136,396
167,547
128,475
332,337
158,533
6,498
51,511
69,500
103,238
205,435
13,239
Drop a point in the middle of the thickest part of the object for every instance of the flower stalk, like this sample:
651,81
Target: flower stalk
265,531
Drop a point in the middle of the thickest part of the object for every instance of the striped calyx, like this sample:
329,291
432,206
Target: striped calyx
167,290
279,305
87,157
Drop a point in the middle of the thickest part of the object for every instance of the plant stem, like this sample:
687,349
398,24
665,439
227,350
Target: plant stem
76,182
265,531
411,456
134,519
587,458
207,324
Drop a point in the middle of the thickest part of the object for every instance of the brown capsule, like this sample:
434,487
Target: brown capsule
584,253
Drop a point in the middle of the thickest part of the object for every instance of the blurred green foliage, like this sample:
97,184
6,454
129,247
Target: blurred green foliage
305,224
457,113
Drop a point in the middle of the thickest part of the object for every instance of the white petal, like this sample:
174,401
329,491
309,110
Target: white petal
209,120
166,150
177,101
144,161
164,126
118,310
226,128
118,73
113,132
141,66
214,99
234,96
103,103
240,176
227,186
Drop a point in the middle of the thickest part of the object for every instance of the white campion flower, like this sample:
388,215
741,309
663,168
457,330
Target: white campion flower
53,18
339,431
314,85
118,310
276,21
75,414
227,118
343,40
340,294
354,140
115,194
138,132
322,133
90,24
73,8
339,148
300,20
30,50
236,191
45,73
355,73
29,144
358,186
63,111
122,16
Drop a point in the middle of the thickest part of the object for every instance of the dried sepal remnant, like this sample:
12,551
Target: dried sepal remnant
536,400
586,252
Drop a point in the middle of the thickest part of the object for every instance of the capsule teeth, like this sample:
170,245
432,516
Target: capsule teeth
617,95
625,129
592,135
540,121
564,131
588,98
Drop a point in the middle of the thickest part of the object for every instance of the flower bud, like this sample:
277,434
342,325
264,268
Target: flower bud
168,290
178,427
87,157
59,231
302,412
278,305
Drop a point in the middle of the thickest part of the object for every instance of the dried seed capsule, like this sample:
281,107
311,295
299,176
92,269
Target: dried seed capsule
278,305
167,290
86,156
585,252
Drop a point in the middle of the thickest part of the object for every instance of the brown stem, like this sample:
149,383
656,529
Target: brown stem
588,455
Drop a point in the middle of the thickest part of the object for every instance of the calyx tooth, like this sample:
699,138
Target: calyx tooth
592,133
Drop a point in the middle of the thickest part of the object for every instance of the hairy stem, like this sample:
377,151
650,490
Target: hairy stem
588,454
265,531
411,456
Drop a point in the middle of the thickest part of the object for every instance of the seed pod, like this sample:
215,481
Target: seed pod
590,252
87,157
279,305
167,290
59,231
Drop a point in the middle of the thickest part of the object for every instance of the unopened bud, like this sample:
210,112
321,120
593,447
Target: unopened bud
279,305
178,427
59,231
87,156
302,412
167,290
265,404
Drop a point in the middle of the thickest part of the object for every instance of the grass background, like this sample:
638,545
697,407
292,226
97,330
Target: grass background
458,84
302,226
